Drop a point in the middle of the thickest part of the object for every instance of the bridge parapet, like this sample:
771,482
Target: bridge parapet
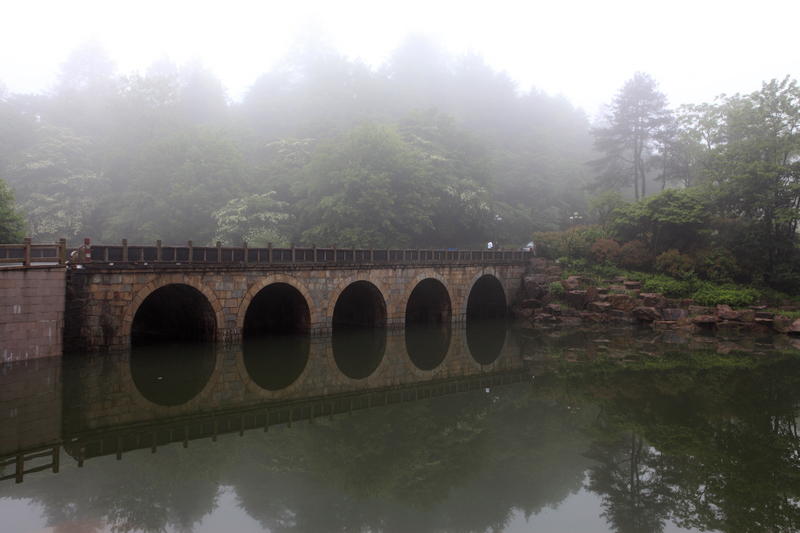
160,253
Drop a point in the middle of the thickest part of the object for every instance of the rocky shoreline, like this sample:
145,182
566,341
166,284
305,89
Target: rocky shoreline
620,301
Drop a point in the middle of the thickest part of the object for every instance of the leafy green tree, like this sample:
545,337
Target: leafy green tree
670,219
460,178
12,224
756,172
630,141
605,204
175,184
58,186
367,188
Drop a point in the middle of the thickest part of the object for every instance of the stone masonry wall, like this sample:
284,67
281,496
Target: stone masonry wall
103,301
31,312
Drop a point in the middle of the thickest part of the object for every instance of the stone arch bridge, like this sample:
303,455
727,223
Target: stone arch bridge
118,296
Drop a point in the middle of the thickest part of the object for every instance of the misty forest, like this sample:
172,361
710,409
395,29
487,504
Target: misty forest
426,150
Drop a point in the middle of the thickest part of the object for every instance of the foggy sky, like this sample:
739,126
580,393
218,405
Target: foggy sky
584,50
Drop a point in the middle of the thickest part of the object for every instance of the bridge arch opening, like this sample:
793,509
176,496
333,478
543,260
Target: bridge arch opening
428,328
486,319
359,335
174,313
428,303
277,308
487,299
276,345
360,305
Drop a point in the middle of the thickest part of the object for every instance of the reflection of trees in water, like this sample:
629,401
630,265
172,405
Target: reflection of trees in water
453,464
725,452
629,479
174,488
704,440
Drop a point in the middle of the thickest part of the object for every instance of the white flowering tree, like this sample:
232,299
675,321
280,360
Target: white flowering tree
257,219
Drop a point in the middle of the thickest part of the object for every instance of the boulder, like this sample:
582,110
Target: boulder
781,323
531,287
554,271
553,309
674,314
653,299
633,285
616,289
621,302
598,307
570,312
747,315
530,304
569,320
698,310
795,327
576,299
704,319
592,294
572,283
648,314
593,318
686,303
523,313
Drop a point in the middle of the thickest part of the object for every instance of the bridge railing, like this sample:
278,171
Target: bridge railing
159,253
27,254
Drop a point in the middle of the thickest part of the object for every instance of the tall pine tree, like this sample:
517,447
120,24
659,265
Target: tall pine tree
631,139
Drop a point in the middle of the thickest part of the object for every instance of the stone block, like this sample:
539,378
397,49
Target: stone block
621,302
653,299
674,314
698,310
648,314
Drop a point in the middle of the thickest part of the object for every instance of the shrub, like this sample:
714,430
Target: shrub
716,264
673,263
634,254
604,250
711,295
556,289
669,287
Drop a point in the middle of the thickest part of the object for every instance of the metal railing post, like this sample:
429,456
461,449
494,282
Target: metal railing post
26,256
158,251
191,252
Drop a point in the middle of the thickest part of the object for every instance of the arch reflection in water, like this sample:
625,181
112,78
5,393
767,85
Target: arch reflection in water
274,362
485,339
427,344
358,351
172,375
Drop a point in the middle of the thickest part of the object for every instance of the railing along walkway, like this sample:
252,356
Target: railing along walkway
159,253
27,254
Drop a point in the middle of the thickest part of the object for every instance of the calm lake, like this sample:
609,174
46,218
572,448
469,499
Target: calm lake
477,428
